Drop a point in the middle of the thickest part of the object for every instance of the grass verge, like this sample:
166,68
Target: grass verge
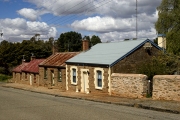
4,78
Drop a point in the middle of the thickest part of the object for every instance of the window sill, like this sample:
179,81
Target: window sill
73,83
99,88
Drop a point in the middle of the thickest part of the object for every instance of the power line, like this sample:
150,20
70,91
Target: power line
65,20
88,10
72,17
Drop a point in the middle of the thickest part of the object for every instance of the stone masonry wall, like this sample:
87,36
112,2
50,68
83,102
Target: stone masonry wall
47,82
130,63
129,85
16,77
166,87
91,79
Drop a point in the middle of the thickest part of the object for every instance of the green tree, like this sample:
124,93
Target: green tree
168,23
11,54
95,40
156,41
163,64
69,41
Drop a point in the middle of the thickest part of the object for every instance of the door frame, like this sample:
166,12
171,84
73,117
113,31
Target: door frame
52,78
85,80
30,79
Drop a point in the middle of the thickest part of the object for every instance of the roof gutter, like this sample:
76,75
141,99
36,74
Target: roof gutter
88,64
52,66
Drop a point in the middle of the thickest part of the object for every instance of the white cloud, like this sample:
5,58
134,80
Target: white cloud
109,24
104,24
119,36
31,14
19,29
110,19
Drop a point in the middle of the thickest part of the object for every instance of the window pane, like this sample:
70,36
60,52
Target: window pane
74,79
59,75
45,72
74,72
74,75
99,82
99,78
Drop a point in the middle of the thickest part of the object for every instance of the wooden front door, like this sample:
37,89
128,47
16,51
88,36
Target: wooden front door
52,78
85,82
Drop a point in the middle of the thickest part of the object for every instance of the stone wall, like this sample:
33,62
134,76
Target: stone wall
30,79
16,77
166,87
131,62
129,85
47,82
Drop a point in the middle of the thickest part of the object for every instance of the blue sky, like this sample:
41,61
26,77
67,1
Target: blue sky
111,20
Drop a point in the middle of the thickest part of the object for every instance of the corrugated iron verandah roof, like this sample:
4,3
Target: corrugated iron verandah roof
108,54
58,59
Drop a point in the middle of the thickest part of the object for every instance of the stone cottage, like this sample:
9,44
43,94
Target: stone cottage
52,70
27,72
30,73
17,72
90,71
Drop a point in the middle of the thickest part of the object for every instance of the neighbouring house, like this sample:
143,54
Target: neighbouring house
52,70
27,72
162,40
90,71
30,73
17,72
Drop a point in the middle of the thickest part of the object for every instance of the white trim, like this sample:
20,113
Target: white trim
95,78
30,79
66,77
84,84
71,72
109,79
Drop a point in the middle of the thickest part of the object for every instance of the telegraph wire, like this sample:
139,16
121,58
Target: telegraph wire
91,9
64,21
74,11
68,9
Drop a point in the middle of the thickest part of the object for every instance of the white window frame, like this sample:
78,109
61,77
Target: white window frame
72,82
59,75
99,77
96,78
45,72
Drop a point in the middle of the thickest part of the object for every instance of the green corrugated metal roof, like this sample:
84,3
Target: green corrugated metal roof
108,53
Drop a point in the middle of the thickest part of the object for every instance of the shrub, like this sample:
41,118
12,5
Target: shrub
4,77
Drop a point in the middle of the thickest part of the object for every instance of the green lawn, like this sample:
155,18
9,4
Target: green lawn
4,77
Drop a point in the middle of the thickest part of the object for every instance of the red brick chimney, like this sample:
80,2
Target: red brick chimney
23,60
85,44
33,57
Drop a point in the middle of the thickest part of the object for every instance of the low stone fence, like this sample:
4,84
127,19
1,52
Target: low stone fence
166,87
129,85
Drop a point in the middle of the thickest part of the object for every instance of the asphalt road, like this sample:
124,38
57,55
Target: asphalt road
25,105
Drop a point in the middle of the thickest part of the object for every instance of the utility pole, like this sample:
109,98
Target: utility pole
1,33
136,21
